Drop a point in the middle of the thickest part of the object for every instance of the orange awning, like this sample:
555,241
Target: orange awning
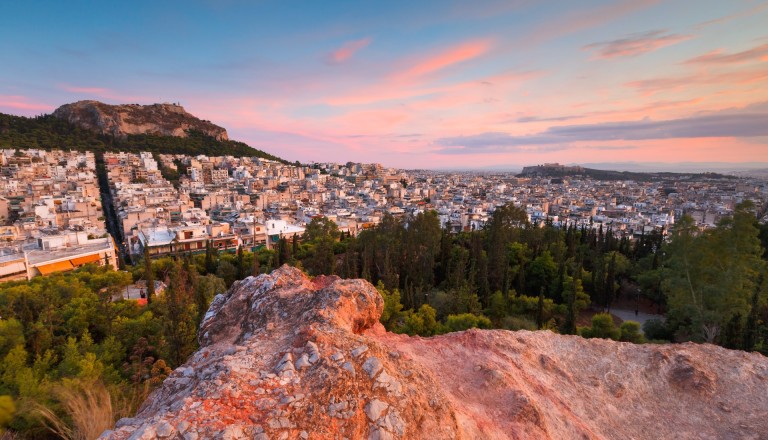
45,269
79,261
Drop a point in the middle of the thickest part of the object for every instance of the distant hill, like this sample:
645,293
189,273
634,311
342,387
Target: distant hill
90,125
125,119
560,171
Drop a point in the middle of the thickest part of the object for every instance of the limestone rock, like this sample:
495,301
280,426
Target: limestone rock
121,120
279,355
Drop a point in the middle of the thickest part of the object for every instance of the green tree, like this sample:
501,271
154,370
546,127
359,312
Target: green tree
503,229
149,275
630,332
392,312
321,234
602,327
711,276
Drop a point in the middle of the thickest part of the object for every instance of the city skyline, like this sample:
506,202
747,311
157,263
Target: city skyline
432,85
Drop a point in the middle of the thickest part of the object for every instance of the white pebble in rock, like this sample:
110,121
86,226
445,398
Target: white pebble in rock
357,352
375,408
372,366
347,366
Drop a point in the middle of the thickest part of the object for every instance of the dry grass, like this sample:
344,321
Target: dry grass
88,408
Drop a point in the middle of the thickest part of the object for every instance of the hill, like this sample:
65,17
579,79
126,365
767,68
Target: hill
162,128
285,356
561,171
122,120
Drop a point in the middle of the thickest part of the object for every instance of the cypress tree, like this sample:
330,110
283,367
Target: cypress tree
149,275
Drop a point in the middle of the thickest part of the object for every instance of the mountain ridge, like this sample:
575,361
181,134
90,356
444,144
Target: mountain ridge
83,126
123,119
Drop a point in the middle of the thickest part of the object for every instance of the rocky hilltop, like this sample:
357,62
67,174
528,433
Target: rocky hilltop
121,120
287,357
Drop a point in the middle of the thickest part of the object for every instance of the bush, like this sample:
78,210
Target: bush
630,332
656,329
602,327
423,322
465,321
513,322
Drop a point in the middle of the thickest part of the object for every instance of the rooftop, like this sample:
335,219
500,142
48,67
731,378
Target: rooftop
39,256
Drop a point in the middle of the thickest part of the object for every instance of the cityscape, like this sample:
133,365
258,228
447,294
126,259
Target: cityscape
53,209
442,220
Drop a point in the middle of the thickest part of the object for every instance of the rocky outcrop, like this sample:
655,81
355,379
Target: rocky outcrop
287,357
121,120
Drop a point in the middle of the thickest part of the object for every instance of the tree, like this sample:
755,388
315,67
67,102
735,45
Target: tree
149,274
576,300
711,276
180,315
630,332
321,234
206,288
602,327
420,244
502,229
392,312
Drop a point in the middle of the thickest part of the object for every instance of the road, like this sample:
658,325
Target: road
629,315
108,208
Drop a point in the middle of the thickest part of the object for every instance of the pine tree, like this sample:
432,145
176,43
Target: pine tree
149,275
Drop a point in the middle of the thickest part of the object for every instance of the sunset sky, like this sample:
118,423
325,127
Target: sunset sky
415,84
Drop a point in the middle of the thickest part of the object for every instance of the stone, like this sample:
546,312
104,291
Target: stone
164,430
374,409
303,362
357,352
314,352
470,384
372,366
145,432
349,368
377,433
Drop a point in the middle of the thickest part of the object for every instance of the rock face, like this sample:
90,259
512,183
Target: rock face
286,357
122,120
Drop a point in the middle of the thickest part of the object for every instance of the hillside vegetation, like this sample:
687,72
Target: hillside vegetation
48,132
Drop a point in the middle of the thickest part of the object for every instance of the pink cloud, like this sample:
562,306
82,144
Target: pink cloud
635,44
346,51
584,19
746,13
718,57
23,104
650,86
411,81
446,58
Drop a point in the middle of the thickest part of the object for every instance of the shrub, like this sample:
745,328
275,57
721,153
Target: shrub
656,329
602,327
630,332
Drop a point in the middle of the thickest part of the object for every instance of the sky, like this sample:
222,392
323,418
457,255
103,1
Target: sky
415,84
